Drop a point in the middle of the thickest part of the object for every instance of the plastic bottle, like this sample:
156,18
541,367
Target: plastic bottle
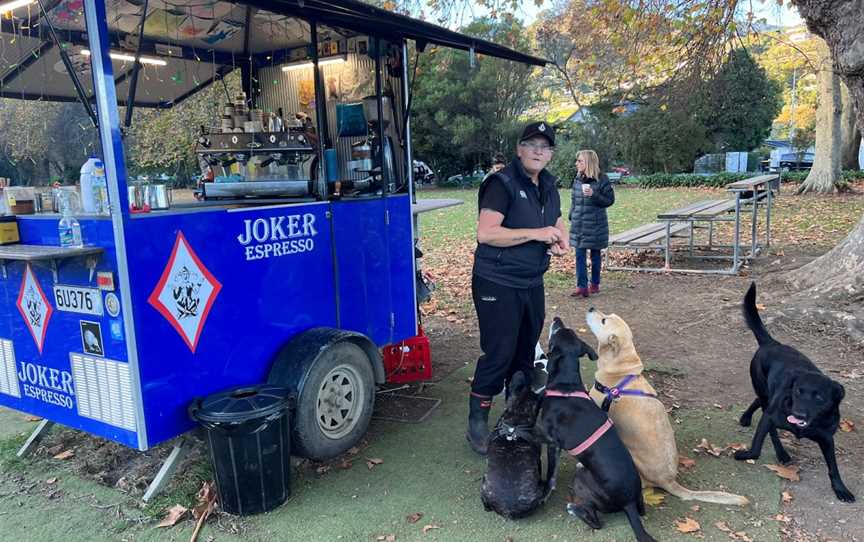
100,188
88,197
68,226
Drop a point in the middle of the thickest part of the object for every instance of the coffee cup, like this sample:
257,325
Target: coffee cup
585,188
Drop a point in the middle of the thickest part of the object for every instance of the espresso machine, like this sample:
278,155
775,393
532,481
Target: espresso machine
380,153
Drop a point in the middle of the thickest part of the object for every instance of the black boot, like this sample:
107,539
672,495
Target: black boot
478,422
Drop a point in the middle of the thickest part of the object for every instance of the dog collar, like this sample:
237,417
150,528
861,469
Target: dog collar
615,392
514,432
595,436
556,393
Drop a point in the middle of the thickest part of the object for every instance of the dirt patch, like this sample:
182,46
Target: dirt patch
690,334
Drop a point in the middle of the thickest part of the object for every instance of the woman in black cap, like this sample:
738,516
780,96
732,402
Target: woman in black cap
519,227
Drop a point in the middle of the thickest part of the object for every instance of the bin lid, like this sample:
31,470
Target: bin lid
243,404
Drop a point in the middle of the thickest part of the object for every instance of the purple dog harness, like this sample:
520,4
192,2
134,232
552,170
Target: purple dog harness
615,392
595,436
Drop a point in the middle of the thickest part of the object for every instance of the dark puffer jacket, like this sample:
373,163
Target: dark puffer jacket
589,226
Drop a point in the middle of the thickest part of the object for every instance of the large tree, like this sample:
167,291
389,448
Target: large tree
462,114
850,133
832,286
825,172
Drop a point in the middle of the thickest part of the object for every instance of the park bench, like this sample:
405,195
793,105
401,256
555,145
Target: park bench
750,193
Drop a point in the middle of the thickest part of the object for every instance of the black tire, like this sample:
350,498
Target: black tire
335,406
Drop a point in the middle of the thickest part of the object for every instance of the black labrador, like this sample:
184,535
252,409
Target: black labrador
512,485
794,395
607,480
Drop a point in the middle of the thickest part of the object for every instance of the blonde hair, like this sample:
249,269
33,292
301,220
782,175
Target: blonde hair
592,163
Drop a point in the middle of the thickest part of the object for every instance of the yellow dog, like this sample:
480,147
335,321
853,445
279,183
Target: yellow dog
638,415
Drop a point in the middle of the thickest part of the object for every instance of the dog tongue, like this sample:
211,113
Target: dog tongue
792,419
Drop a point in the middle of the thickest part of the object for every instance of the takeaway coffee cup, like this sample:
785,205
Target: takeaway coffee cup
585,188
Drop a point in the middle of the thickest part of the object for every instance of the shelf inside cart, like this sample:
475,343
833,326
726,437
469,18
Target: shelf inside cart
48,254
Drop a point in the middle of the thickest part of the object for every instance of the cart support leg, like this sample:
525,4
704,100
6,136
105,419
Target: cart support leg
754,238
37,435
768,217
736,243
668,265
167,470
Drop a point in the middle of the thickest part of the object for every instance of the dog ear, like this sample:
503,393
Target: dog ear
612,343
839,392
592,355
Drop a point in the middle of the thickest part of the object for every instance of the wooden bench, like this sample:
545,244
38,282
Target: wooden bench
645,235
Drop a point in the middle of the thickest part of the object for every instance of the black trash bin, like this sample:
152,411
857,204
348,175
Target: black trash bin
249,432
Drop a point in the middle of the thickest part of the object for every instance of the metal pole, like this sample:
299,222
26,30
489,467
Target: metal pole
768,215
668,245
737,235
136,67
385,172
754,239
406,100
115,171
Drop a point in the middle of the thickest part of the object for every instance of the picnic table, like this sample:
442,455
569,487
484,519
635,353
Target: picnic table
749,194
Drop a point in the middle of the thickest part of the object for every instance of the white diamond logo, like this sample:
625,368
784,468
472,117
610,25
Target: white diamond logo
34,307
185,292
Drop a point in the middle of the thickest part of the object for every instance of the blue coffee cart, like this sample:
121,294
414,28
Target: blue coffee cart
295,265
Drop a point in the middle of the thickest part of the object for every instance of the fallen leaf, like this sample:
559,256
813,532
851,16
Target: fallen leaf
789,473
414,517
751,461
653,497
847,425
736,446
32,418
353,450
323,469
175,514
760,306
206,504
687,525
695,508
723,527
685,462
427,528
787,497
387,538
372,461
51,481
345,464
65,455
708,447
718,405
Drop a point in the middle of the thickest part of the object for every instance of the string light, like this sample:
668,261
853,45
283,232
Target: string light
131,58
309,63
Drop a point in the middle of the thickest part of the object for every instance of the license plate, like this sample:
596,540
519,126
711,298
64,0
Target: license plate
77,299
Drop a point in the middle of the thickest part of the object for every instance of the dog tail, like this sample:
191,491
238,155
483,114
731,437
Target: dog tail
717,497
751,316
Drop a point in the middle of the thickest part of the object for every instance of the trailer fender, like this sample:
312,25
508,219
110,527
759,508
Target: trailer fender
295,359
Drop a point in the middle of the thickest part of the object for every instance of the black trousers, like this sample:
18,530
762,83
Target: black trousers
511,320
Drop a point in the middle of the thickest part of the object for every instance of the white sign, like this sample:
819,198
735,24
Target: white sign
34,307
77,299
185,292
47,384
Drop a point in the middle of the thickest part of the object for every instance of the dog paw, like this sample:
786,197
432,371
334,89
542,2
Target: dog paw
844,494
784,458
745,420
743,455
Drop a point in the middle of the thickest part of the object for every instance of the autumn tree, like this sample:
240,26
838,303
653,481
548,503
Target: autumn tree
825,172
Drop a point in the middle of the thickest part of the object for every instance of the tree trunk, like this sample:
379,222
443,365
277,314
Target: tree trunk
825,172
832,284
850,134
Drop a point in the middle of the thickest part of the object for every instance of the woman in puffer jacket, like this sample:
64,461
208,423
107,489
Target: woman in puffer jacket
589,225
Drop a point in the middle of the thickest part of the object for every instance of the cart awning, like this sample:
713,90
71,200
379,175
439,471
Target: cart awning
188,44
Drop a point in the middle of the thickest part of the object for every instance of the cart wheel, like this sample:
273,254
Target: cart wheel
335,406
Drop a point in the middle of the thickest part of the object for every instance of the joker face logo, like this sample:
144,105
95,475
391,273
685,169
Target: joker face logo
33,306
185,288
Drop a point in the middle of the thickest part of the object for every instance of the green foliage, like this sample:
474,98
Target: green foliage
740,104
464,115
661,137
665,180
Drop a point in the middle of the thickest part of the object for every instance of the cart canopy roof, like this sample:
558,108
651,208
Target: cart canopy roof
191,43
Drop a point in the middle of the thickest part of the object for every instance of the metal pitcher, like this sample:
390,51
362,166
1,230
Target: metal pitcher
136,192
158,196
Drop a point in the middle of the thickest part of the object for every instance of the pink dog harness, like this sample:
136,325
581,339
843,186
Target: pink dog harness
595,436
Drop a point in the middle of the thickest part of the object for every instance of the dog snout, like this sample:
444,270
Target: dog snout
591,309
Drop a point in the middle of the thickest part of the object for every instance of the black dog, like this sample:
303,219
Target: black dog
608,480
793,395
512,486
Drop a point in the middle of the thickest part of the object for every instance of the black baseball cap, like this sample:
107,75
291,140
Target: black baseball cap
539,129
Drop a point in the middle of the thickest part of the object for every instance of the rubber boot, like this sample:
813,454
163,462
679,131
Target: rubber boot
478,422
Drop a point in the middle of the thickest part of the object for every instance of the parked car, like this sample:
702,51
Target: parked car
615,174
793,161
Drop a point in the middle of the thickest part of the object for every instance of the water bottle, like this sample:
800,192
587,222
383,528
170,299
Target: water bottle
100,188
68,226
